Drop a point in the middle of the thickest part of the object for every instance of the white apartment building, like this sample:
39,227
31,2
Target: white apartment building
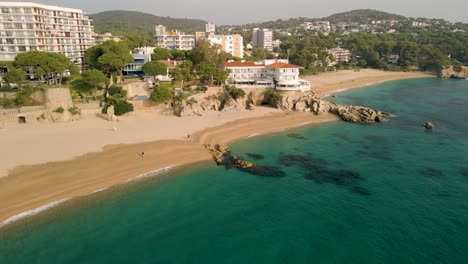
26,26
320,26
210,28
276,74
233,44
262,38
174,40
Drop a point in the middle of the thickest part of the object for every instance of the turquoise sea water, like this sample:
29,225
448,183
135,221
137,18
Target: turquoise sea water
331,193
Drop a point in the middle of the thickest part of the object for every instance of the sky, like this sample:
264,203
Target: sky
236,12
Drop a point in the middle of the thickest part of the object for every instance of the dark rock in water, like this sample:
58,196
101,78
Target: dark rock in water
429,125
431,172
305,162
338,177
375,138
342,136
296,136
464,172
380,155
255,156
360,190
265,171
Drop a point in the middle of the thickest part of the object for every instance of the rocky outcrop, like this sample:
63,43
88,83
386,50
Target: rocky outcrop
241,164
457,72
429,125
188,109
358,114
219,152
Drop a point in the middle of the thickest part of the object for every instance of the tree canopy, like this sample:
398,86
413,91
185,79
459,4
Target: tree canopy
48,66
109,57
154,68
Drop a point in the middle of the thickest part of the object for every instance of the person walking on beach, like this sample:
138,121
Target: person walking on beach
188,136
142,154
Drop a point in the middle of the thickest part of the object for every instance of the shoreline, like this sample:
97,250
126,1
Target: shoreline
33,189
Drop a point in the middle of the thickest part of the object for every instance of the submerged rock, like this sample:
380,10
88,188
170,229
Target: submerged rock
431,172
255,156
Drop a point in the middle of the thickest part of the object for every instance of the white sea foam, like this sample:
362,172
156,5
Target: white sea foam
254,135
152,173
32,212
96,191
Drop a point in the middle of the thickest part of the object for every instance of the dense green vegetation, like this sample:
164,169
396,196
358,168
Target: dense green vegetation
131,23
362,16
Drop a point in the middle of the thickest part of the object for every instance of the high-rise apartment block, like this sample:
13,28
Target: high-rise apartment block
262,38
28,26
210,29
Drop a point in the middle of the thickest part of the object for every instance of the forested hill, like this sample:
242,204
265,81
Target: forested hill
362,16
132,23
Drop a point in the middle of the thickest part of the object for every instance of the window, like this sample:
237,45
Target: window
5,10
7,26
30,26
18,26
10,41
16,10
21,48
32,41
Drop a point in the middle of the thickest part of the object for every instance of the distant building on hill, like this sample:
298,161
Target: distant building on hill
278,74
174,40
319,26
340,55
30,26
262,38
100,38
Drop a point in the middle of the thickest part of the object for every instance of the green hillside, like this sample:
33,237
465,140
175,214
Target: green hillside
362,16
132,23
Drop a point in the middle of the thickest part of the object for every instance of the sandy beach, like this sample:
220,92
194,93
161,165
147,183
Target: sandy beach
332,82
42,163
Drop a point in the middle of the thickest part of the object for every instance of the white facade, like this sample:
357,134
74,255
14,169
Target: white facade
28,26
210,28
176,41
232,44
341,55
160,30
262,38
279,75
320,26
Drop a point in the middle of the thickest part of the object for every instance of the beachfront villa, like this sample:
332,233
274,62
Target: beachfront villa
278,74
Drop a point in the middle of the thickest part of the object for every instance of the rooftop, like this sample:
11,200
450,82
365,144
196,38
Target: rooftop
243,64
282,65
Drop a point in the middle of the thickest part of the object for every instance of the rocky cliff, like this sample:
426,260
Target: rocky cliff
457,72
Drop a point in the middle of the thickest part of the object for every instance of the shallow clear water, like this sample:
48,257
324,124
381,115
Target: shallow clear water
332,193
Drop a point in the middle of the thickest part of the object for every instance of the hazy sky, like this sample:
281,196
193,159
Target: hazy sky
246,11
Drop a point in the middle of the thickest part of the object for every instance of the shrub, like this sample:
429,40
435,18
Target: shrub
7,102
121,107
59,110
74,110
161,94
114,89
236,93
202,89
273,96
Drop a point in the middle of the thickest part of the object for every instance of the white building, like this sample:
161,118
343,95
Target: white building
232,44
340,55
160,30
262,38
29,26
174,40
210,29
266,74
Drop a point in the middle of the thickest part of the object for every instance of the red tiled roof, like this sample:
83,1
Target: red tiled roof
242,64
282,65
